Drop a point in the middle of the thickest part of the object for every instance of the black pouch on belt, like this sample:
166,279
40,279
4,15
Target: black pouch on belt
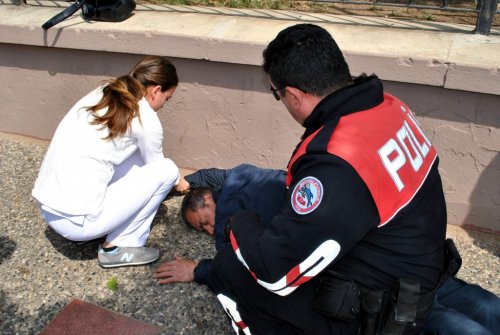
404,309
338,297
452,261
374,304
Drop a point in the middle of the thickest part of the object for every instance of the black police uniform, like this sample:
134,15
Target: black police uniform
268,278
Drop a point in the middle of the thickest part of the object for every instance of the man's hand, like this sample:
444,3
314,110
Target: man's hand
179,270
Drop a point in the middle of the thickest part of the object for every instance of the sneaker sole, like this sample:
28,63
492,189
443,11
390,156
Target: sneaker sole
117,265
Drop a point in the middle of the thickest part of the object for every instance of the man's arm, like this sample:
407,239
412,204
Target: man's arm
213,178
201,271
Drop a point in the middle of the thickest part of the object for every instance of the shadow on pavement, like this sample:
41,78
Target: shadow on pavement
7,247
74,251
70,249
14,321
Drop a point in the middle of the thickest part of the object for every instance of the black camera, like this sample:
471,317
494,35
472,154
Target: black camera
98,10
107,10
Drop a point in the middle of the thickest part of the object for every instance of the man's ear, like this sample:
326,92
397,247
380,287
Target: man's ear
302,104
295,96
208,198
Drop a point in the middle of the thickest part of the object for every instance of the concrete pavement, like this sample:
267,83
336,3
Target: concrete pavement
41,272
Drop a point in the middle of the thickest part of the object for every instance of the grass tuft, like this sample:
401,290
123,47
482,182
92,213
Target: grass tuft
113,284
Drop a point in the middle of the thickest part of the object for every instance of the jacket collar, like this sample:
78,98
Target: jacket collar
366,92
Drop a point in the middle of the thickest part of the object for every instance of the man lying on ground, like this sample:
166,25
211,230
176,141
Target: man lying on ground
243,187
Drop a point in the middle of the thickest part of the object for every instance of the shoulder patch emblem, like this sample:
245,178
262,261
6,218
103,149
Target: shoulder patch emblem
307,195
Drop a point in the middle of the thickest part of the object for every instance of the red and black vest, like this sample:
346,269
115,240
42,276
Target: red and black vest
386,147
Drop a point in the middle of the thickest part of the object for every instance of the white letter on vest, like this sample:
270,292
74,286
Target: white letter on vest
404,133
424,146
392,166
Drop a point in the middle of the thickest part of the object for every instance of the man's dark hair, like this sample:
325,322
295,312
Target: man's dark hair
194,200
306,57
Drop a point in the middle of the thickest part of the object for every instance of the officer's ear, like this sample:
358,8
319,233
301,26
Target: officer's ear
294,96
299,103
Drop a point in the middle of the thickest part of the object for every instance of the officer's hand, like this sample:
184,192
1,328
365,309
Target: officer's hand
179,270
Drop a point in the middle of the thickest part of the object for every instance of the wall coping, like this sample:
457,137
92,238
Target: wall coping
429,53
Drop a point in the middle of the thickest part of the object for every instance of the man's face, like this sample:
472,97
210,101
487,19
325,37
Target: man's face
203,218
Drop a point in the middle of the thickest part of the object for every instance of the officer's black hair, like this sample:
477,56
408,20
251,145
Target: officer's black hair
306,57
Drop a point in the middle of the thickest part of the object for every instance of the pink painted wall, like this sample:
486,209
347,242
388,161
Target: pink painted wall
223,114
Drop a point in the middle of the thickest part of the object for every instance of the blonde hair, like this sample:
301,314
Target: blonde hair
121,95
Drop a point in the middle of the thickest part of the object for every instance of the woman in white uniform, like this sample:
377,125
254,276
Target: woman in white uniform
104,173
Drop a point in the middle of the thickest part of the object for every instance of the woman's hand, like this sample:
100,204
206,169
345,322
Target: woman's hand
179,270
183,186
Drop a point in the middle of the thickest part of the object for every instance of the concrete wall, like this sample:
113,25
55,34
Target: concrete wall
223,114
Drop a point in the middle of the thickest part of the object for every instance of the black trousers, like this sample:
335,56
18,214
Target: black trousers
258,311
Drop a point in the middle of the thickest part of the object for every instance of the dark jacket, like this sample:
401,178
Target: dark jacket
245,187
344,225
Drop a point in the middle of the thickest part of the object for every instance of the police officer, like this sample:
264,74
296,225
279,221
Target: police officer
362,250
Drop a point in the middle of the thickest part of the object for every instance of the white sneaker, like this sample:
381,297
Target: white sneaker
127,256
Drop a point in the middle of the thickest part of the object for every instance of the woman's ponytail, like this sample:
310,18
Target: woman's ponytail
121,96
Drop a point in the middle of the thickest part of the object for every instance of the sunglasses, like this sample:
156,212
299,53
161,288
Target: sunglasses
275,93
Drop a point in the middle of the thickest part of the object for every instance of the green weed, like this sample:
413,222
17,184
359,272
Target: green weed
113,284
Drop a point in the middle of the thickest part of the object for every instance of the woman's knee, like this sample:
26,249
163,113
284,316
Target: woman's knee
167,171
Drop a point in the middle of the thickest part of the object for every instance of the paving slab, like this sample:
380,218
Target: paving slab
82,318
